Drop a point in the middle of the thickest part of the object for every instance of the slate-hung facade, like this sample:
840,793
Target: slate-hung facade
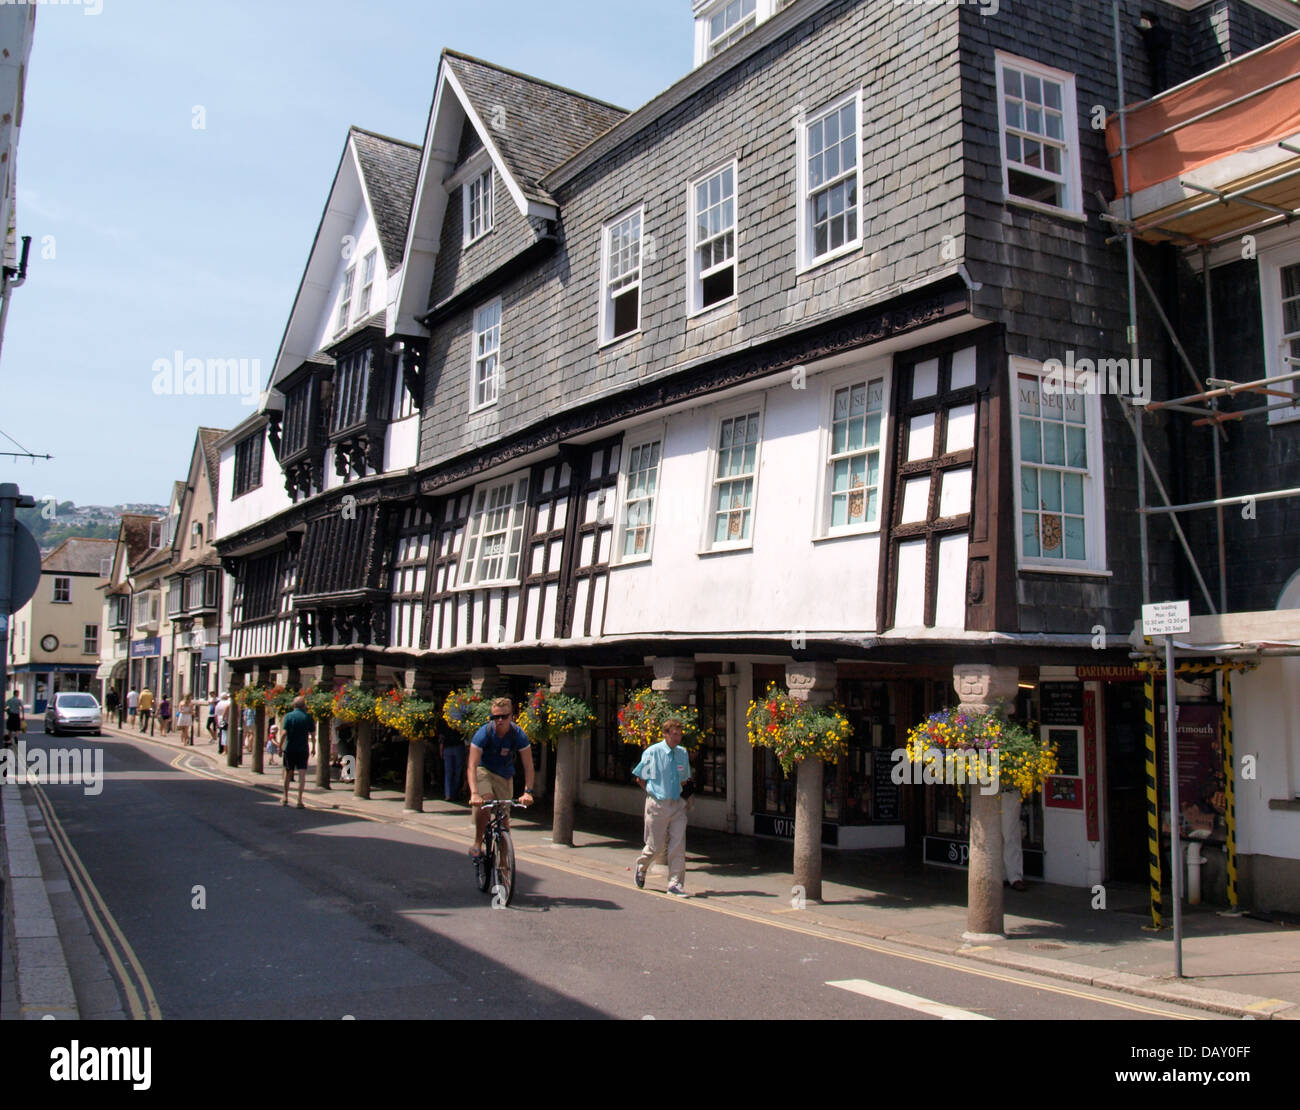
746,386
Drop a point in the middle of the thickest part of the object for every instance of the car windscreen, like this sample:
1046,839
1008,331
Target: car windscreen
77,701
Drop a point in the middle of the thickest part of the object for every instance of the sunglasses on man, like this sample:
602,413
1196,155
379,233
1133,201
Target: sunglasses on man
501,716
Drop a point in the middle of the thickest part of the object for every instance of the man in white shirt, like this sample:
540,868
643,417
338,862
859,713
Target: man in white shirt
223,718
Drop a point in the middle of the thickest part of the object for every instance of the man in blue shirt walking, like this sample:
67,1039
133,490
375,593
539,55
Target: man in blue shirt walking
662,771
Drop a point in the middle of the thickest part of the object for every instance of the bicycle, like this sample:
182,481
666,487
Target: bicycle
495,868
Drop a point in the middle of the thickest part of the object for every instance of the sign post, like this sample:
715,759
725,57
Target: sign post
20,567
1165,619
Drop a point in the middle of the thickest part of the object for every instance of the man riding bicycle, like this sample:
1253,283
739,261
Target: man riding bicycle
491,769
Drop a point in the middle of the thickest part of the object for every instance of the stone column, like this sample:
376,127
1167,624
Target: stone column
485,680
675,678
814,684
324,675
572,681
363,673
417,684
981,688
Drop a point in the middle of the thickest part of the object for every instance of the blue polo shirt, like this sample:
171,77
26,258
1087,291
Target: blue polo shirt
664,769
499,754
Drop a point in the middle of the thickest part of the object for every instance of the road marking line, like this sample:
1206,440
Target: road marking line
90,899
962,966
909,1001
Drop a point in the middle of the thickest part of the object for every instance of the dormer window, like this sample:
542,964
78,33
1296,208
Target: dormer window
723,23
730,23
345,301
478,206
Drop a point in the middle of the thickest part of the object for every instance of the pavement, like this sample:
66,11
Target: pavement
1234,964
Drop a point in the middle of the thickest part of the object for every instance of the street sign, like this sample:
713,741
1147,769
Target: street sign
27,567
1165,618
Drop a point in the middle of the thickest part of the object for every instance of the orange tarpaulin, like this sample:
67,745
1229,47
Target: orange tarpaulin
1265,118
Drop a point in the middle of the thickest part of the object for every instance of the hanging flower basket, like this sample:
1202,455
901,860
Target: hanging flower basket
466,710
353,705
641,720
410,717
320,703
795,730
546,717
252,697
956,737
280,699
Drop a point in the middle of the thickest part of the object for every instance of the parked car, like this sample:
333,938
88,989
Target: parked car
73,713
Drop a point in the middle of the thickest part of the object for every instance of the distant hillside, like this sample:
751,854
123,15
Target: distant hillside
52,523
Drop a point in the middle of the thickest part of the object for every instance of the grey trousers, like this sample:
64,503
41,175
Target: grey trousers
665,830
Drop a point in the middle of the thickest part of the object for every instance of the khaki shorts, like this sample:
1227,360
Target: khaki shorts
493,788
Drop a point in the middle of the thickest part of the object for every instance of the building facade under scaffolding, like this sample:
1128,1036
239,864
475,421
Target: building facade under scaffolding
753,384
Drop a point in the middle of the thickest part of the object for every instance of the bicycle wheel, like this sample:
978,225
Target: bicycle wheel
483,865
503,867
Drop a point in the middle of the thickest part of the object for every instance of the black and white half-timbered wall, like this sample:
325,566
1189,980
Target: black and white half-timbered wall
748,385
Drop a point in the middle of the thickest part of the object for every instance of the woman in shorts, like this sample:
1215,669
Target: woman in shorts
185,719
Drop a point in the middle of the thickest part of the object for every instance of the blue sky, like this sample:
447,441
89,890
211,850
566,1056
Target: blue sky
167,237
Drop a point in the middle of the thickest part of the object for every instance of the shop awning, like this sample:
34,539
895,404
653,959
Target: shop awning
1233,635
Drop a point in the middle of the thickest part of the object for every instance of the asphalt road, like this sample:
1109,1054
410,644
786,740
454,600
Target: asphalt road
231,906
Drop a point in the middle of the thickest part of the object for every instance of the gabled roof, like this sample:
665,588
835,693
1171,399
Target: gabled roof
135,534
389,168
533,124
375,173
209,438
78,556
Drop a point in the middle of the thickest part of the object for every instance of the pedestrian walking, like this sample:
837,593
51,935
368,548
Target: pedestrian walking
665,772
299,741
272,744
451,745
248,720
1013,855
211,724
223,720
185,719
13,718
132,704
165,715
146,708
110,701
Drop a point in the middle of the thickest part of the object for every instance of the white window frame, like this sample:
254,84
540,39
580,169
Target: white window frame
756,403
733,33
62,584
632,442
1071,177
607,335
1271,264
694,275
90,639
804,224
367,283
487,213
345,300
515,487
868,373
475,358
1094,493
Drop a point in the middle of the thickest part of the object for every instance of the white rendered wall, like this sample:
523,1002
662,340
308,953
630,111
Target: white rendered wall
402,446
786,582
1266,722
256,505
361,239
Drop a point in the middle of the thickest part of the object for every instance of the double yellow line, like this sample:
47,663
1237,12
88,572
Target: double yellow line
139,994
